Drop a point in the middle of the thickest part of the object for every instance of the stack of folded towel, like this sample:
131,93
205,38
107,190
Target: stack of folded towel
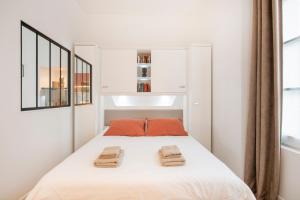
171,156
109,158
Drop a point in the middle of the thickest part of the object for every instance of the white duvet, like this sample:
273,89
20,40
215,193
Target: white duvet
140,175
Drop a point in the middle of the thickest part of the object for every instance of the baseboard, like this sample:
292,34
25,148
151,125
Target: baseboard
280,198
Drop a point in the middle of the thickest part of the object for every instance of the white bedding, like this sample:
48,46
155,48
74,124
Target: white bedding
140,176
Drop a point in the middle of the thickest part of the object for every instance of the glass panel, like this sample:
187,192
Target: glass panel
55,75
78,85
75,87
88,83
291,73
43,70
84,83
291,63
291,113
291,19
64,78
28,68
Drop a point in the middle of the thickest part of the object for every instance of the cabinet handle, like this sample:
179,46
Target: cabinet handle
182,86
105,86
23,71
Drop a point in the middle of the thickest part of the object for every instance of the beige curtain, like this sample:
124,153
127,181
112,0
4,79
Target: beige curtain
262,159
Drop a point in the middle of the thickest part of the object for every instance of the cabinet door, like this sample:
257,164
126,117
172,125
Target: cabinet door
118,70
168,71
200,94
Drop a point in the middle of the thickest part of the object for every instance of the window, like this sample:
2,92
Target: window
45,71
291,73
83,81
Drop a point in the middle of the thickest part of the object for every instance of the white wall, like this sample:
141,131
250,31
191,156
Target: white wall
222,23
31,142
247,8
290,165
87,122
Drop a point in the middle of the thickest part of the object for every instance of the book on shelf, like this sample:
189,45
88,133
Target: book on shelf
143,59
143,87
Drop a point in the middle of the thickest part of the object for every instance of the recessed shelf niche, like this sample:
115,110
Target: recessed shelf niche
143,70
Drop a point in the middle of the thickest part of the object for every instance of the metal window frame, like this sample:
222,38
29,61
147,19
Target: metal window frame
38,33
292,40
91,80
291,142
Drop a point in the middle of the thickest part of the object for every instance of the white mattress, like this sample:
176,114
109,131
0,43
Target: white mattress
140,176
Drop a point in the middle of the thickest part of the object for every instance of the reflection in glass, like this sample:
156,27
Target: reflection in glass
43,71
64,78
78,86
55,75
88,88
83,85
28,68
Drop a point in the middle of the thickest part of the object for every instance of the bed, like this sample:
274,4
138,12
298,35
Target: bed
140,175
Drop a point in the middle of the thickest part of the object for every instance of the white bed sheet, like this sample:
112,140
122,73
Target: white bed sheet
140,175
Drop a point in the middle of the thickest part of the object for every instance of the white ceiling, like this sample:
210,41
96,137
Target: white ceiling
140,7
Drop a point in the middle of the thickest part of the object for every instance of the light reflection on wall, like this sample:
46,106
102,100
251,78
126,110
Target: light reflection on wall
143,101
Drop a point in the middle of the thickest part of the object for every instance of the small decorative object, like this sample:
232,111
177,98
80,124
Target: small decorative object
144,72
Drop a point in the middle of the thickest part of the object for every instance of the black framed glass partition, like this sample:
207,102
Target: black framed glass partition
45,71
83,81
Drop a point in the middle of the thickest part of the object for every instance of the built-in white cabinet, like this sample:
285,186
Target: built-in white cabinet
185,71
164,72
168,70
199,94
118,70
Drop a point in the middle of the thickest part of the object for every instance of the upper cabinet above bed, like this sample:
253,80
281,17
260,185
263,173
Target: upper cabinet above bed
169,71
118,71
132,71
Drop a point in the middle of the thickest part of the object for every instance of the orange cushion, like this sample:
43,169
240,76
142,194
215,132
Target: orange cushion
126,127
165,127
